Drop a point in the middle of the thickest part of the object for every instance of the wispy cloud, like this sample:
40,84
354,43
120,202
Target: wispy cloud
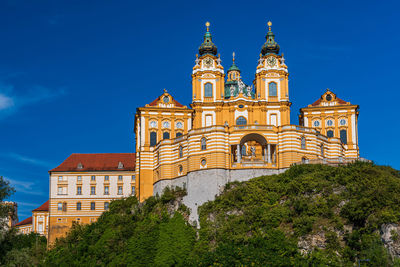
26,187
25,159
11,101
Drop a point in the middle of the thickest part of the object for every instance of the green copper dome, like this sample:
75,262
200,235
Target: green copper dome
270,45
233,67
208,47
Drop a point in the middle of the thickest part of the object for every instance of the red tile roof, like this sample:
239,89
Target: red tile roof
154,103
98,162
25,222
44,207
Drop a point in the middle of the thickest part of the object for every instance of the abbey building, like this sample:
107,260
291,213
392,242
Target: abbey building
231,131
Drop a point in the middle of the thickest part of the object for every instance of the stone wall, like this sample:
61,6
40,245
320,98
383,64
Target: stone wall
205,185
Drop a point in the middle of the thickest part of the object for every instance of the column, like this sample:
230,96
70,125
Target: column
265,153
269,153
238,153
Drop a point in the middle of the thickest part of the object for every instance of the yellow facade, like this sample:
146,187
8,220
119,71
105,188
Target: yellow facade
234,126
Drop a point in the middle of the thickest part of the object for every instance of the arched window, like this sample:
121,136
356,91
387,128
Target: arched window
59,206
241,121
203,143
78,206
303,142
343,136
180,151
106,205
329,133
272,89
243,151
153,138
208,90
165,135
64,206
178,134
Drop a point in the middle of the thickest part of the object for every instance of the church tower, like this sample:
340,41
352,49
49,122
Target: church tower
207,82
271,80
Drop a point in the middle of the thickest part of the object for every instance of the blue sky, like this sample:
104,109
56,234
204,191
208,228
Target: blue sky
72,73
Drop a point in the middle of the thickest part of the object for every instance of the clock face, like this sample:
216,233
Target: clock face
271,61
208,62
179,125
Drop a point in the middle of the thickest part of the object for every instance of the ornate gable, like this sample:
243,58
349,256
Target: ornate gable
329,99
165,101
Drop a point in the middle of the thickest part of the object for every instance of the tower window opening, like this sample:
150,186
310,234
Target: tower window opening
343,136
272,89
329,133
180,151
203,143
303,142
208,90
166,135
153,138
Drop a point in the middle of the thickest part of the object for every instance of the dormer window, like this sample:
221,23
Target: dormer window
120,165
80,166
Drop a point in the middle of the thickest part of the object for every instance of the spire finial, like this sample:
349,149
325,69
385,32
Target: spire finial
165,91
208,26
233,57
269,25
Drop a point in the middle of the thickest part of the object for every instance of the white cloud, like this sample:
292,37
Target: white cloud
26,187
5,102
11,101
26,159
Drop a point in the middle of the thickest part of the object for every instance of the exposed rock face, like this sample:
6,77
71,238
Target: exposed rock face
306,244
390,234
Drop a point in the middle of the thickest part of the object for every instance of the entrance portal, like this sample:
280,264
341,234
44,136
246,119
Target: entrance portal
253,150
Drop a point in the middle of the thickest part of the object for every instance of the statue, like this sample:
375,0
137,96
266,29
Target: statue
253,151
219,60
232,89
197,60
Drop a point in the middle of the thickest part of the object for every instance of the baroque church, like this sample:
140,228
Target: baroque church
237,131
232,131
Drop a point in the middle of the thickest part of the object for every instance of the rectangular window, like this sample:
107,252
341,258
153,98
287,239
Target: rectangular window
119,177
59,206
92,206
40,227
60,190
133,190
106,178
106,190
79,178
78,206
119,190
133,178
79,190
60,178
93,190
106,205
93,178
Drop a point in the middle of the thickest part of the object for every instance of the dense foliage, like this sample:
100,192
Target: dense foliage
267,221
